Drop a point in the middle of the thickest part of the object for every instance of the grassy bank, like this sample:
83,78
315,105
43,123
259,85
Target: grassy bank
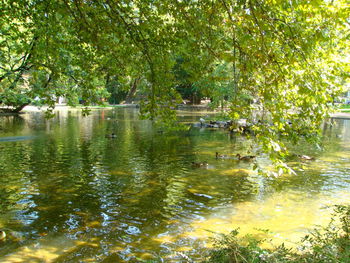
344,108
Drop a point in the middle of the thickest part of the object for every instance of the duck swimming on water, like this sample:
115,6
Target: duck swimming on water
245,158
112,135
221,156
306,157
201,164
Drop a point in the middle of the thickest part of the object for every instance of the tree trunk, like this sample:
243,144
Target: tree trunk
195,99
19,108
132,90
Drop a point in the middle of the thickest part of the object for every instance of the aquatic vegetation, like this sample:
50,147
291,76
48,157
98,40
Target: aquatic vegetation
329,244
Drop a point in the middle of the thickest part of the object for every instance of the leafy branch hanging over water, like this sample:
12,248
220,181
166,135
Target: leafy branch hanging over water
289,56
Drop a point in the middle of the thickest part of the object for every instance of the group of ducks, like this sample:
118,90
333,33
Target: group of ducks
218,156
246,158
239,157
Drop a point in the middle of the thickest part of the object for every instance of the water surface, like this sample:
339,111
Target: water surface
69,194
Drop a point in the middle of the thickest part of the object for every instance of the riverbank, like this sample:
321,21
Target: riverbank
203,106
341,115
64,106
328,244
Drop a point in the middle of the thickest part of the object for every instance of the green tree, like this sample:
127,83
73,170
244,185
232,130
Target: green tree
289,55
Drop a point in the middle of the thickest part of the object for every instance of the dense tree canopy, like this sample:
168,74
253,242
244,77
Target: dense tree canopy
289,56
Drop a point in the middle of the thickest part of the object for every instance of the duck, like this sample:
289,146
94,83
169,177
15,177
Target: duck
220,156
306,157
245,158
202,122
112,135
2,235
199,164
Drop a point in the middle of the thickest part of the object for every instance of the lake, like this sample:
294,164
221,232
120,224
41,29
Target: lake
69,194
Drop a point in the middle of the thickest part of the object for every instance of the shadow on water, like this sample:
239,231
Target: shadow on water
74,195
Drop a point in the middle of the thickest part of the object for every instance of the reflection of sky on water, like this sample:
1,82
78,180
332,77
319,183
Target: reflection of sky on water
72,194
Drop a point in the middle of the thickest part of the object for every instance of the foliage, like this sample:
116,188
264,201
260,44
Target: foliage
182,77
345,106
330,244
290,57
117,93
13,98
